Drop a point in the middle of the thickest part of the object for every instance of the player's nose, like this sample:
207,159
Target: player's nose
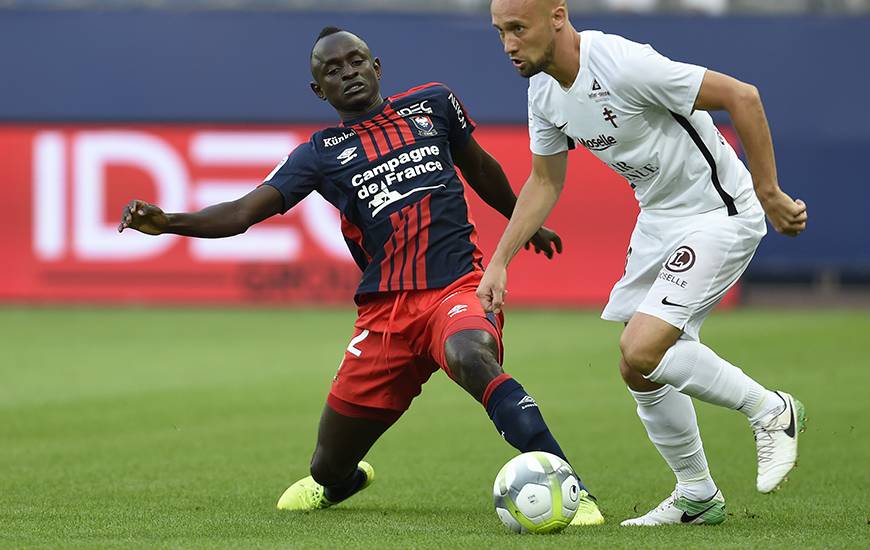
349,72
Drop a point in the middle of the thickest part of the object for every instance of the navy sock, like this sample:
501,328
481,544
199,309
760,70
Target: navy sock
341,491
518,419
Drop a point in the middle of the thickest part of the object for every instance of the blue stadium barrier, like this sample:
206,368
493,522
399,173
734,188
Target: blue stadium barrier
230,66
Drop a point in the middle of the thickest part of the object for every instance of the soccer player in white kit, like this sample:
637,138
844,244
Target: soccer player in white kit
702,217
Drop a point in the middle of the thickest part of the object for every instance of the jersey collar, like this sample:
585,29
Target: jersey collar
373,113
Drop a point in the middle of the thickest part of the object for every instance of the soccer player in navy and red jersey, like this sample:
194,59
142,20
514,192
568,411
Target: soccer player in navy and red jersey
389,168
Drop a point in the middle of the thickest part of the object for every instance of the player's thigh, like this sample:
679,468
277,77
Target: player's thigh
643,260
373,386
379,372
701,267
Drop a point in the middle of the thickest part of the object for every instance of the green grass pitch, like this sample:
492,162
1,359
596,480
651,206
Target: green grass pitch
180,429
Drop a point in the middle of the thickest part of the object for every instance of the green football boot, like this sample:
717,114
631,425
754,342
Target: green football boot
306,494
587,511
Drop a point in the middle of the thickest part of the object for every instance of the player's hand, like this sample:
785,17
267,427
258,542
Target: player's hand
492,288
144,217
787,216
545,241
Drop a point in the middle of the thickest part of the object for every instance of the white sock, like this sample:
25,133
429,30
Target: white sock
670,422
694,369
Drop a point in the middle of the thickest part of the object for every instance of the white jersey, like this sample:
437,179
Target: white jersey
633,109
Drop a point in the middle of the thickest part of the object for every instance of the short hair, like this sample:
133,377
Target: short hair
326,31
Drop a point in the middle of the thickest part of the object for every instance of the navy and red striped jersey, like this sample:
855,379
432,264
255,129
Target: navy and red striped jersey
391,175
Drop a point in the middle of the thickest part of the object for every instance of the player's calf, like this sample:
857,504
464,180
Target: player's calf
517,417
472,357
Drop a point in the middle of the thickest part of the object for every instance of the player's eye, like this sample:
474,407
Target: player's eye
519,29
332,72
357,62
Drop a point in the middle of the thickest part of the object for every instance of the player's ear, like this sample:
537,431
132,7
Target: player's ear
377,66
318,91
559,17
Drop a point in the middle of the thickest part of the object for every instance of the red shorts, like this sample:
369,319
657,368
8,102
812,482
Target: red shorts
398,342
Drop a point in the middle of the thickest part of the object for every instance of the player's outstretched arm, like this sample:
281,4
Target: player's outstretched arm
485,175
220,220
536,200
743,103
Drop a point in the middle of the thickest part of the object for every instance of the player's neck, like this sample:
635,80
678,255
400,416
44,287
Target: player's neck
375,105
566,58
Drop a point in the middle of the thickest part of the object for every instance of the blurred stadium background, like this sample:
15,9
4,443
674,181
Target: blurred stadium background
137,426
190,102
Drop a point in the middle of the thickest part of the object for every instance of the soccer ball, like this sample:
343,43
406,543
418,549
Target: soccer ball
536,492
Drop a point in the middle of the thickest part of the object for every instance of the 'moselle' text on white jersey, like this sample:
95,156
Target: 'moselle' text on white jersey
633,109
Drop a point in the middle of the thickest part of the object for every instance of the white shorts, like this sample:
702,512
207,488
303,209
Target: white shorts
679,268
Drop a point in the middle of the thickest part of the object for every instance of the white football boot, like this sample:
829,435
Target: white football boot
776,443
678,510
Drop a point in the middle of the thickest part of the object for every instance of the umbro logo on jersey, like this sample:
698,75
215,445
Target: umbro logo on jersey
456,310
526,402
335,140
599,143
347,155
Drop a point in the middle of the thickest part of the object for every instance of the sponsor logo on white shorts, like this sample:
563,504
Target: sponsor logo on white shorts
681,260
673,279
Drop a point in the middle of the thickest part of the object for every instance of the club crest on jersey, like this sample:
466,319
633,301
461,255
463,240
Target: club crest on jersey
347,155
424,125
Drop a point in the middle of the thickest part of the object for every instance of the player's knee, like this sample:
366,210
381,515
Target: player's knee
635,380
628,374
638,355
472,357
